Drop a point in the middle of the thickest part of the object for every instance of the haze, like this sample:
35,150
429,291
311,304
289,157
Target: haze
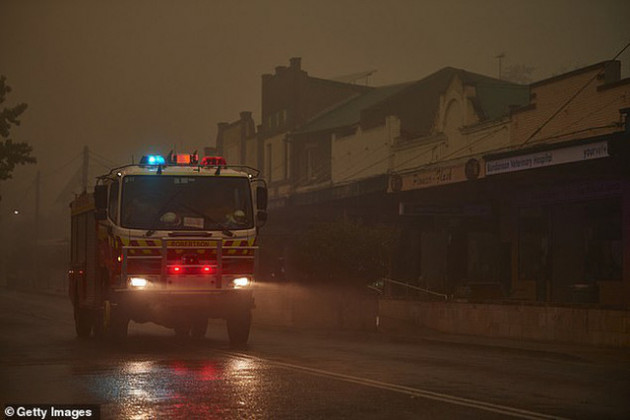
127,77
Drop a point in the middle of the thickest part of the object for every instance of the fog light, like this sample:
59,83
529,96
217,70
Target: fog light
240,282
138,282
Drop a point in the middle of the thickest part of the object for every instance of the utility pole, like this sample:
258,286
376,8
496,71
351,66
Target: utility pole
500,57
86,162
36,234
37,202
3,248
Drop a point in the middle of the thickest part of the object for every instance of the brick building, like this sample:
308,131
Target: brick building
290,97
238,142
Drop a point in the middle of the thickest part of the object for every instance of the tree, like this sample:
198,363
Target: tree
11,153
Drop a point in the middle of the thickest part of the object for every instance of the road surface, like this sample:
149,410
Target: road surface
297,374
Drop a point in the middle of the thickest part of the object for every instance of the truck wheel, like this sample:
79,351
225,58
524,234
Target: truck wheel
238,326
199,327
82,322
118,325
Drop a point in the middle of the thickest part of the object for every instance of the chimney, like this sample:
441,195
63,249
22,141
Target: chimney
296,63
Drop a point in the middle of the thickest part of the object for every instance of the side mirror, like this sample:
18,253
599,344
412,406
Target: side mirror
261,218
261,198
100,215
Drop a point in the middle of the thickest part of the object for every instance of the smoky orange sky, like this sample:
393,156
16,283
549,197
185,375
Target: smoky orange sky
126,77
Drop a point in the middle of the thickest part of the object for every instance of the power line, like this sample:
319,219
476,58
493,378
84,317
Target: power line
429,150
104,159
480,139
577,93
560,133
543,125
557,136
365,168
422,153
102,163
60,167
361,159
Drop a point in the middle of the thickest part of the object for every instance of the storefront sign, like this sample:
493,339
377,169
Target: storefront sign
549,158
435,177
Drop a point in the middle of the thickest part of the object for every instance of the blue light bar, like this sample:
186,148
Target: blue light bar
152,160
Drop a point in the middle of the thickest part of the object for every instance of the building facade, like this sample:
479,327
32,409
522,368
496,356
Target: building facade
565,183
237,141
498,190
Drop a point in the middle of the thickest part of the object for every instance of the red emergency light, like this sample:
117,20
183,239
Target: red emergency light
182,158
213,161
179,269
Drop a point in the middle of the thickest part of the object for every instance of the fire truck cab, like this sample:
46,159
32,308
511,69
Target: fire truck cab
170,241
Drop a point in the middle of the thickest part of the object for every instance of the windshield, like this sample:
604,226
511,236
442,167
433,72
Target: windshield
186,203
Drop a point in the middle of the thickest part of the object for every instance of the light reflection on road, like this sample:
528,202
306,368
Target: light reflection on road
147,389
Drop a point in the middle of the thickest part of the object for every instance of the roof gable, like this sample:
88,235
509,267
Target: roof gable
417,103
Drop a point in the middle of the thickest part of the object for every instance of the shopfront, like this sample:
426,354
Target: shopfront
568,213
452,241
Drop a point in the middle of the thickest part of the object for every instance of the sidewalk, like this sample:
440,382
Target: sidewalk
552,350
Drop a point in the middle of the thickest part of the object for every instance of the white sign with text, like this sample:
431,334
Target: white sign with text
548,158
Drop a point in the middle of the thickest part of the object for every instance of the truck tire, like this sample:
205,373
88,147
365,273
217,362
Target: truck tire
111,323
118,325
83,321
118,330
238,326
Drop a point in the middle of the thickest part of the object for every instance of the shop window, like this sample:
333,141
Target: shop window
533,249
603,241
483,257
433,260
569,247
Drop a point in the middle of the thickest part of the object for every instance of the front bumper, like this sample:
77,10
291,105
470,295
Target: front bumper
165,306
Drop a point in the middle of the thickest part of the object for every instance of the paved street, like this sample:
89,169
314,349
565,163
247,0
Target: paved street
298,374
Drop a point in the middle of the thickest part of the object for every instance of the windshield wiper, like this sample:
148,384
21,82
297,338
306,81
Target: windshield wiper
224,229
222,226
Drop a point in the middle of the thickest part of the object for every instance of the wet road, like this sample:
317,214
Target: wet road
295,374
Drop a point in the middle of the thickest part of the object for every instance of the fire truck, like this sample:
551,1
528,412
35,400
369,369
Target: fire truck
170,241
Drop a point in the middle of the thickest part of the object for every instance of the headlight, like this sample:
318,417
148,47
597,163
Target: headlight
138,282
240,282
